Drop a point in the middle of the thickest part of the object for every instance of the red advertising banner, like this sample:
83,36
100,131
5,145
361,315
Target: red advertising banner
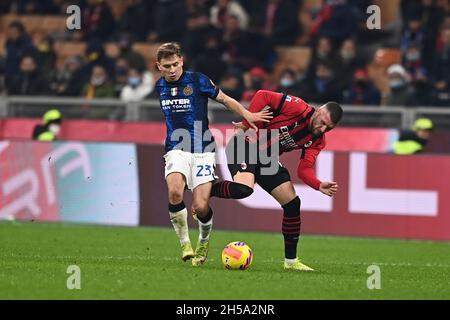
340,139
379,195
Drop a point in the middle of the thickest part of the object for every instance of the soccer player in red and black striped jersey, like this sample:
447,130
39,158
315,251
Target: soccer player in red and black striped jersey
298,126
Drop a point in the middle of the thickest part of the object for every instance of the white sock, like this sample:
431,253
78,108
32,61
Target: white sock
204,230
290,261
179,222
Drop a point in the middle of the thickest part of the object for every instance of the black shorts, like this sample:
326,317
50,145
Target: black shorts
247,161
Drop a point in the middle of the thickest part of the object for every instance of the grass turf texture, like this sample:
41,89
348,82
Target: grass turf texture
144,263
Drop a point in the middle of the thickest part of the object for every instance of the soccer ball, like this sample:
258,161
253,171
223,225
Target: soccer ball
237,256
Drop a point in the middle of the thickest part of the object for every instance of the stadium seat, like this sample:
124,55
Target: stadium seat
48,23
384,57
296,58
67,49
379,78
390,12
148,51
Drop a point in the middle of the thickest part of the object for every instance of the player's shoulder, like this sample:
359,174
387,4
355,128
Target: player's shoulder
300,106
192,77
190,74
205,81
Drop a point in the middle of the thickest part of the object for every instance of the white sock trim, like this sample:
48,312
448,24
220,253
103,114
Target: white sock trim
290,261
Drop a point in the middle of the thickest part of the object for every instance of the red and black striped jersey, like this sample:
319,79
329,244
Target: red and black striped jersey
291,118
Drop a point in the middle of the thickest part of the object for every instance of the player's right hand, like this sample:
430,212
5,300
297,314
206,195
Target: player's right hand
328,188
265,115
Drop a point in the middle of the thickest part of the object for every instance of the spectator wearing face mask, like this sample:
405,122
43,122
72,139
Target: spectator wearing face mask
98,85
140,85
362,90
412,60
50,128
289,82
400,90
348,62
256,79
413,34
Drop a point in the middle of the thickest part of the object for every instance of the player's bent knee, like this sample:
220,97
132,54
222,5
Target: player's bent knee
175,196
200,208
241,191
293,206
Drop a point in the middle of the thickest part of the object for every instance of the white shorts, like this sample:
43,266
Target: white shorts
197,168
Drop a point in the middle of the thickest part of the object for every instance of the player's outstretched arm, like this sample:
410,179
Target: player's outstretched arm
252,117
306,173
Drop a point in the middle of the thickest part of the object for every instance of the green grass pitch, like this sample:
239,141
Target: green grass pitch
144,263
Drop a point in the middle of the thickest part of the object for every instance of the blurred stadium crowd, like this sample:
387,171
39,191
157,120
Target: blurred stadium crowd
318,50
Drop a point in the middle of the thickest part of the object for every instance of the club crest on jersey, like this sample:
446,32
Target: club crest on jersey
243,166
188,90
308,144
173,92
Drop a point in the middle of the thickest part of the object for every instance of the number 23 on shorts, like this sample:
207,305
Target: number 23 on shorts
201,170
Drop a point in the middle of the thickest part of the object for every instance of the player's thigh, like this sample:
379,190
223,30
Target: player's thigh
176,171
277,181
241,164
284,193
176,181
246,178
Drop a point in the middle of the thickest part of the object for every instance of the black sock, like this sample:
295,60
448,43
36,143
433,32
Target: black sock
230,190
207,217
176,207
291,227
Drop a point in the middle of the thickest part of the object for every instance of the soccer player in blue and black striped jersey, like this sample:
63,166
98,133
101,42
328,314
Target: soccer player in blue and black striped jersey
190,148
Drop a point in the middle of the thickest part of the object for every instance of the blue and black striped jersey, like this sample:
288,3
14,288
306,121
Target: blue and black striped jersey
185,107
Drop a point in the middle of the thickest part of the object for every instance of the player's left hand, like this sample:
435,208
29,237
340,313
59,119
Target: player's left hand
262,116
328,188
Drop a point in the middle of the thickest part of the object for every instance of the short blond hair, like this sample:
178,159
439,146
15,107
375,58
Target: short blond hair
167,50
